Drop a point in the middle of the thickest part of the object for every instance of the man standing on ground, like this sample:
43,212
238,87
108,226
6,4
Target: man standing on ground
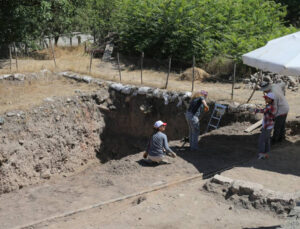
281,106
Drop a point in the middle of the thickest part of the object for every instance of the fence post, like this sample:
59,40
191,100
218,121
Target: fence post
10,57
91,60
142,58
170,60
51,46
118,57
193,80
16,55
233,81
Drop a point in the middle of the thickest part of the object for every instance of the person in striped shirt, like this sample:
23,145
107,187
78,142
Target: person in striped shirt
267,125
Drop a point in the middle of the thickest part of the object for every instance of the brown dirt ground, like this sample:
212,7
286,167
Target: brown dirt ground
184,206
175,207
280,172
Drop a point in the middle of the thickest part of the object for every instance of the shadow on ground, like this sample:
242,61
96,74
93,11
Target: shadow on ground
219,152
222,152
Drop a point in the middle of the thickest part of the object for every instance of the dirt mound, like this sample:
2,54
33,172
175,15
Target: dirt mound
200,74
58,137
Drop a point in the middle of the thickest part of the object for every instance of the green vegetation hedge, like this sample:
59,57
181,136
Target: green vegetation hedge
204,28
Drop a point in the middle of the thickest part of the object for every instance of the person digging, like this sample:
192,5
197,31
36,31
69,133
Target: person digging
197,106
158,146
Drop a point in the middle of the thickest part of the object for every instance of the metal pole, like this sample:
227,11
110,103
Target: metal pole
10,57
193,73
16,55
91,60
142,58
50,43
169,69
233,81
118,57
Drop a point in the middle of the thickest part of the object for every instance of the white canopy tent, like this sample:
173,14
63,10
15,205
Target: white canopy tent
281,55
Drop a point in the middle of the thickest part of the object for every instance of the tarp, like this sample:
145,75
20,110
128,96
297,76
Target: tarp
281,55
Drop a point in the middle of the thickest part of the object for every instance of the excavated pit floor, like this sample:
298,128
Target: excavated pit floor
116,178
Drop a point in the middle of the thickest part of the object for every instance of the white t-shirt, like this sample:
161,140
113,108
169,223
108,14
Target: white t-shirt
280,102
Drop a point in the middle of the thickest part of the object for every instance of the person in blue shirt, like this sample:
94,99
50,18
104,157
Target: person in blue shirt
158,146
196,107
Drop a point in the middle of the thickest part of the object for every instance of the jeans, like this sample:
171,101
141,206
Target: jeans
194,130
279,128
264,140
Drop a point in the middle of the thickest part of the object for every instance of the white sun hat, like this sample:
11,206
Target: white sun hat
159,123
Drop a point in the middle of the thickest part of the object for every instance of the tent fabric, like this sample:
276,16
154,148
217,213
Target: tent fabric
281,55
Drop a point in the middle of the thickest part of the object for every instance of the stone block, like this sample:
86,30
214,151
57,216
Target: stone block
218,179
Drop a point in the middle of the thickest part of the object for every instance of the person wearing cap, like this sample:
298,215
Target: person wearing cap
281,106
158,146
267,126
197,105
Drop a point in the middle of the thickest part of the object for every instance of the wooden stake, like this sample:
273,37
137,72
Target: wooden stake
253,127
142,59
16,55
193,73
91,60
170,60
118,57
10,57
51,46
233,81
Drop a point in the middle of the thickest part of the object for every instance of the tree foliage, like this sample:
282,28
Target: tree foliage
100,17
205,28
160,28
22,21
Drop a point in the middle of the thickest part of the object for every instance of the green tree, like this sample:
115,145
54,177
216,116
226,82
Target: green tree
100,17
205,28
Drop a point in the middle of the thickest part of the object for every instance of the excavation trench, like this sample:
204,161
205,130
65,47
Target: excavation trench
89,146
65,134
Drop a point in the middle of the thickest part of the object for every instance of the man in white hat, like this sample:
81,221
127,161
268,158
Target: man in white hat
281,106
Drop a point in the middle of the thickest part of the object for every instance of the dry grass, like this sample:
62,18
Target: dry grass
26,94
74,59
71,58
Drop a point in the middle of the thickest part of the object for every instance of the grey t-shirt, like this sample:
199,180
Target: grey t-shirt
158,143
281,104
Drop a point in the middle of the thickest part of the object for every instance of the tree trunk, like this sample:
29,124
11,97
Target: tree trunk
56,40
94,35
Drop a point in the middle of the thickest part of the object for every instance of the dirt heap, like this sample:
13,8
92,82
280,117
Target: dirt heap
200,74
57,137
